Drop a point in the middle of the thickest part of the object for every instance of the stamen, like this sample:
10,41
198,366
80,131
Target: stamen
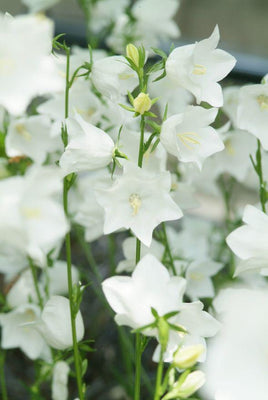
199,69
262,99
23,132
135,202
188,139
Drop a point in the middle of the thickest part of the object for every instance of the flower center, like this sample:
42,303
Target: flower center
31,213
199,69
196,276
23,132
229,148
135,202
7,65
262,99
188,139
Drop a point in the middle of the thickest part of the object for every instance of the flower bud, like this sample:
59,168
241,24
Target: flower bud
186,385
186,357
191,384
133,54
142,103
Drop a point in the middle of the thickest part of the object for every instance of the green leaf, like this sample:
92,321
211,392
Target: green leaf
159,52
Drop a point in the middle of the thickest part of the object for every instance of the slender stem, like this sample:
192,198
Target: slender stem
159,374
77,359
138,256
168,249
138,367
2,375
262,190
36,286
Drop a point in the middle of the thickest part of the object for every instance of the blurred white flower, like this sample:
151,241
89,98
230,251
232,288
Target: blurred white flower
154,22
252,111
27,68
138,200
60,381
198,276
113,77
23,290
198,67
189,137
56,277
105,12
249,242
129,251
88,148
55,324
31,211
237,364
84,207
31,136
36,6
19,330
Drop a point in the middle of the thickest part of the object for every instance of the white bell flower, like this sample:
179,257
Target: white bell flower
56,277
12,259
129,251
81,101
89,147
183,194
138,200
31,136
23,290
32,215
105,12
113,77
230,103
83,205
150,286
252,111
27,68
154,22
189,137
55,324
60,381
198,276
19,330
198,67
35,6
237,365
249,242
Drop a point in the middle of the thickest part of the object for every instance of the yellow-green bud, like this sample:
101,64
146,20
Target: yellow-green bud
142,103
186,357
133,54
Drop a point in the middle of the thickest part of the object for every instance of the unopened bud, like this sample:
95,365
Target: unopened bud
191,384
186,357
186,386
142,103
133,54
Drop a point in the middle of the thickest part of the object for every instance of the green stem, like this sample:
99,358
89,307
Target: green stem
159,375
262,190
77,359
138,256
168,249
138,367
36,286
2,375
